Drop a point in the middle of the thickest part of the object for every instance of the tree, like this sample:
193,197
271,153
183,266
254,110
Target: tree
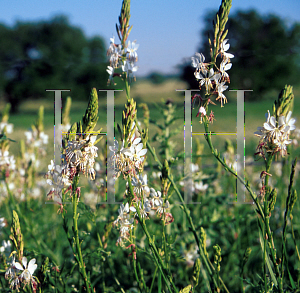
49,55
266,52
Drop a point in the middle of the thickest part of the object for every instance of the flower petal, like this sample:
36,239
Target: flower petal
32,266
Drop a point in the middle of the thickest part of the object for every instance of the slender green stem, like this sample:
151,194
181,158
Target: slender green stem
133,258
265,242
153,279
255,199
76,236
268,166
165,274
206,261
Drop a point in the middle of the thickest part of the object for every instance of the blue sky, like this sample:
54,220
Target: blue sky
166,30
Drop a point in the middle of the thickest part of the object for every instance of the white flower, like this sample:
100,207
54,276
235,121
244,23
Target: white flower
198,61
27,271
143,210
9,127
162,208
129,68
131,50
140,184
224,66
11,273
206,78
156,199
125,226
2,223
200,186
6,247
223,48
289,122
261,131
123,210
110,70
202,110
136,152
281,142
115,52
220,88
29,136
273,131
44,137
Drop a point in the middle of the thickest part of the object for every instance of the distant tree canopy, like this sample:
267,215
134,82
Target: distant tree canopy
266,52
36,56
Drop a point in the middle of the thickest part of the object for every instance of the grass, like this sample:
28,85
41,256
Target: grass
233,227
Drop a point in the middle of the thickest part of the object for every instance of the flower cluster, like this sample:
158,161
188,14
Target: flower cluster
212,77
36,138
125,58
21,273
79,157
7,162
127,160
275,134
144,202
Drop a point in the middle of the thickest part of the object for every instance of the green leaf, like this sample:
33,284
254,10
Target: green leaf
268,261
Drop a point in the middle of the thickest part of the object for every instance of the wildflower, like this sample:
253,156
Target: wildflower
73,152
27,271
131,50
136,152
162,208
206,78
223,48
273,131
289,122
281,142
224,66
144,209
115,52
125,226
275,134
11,273
221,87
198,63
129,68
156,199
110,70
140,185
200,186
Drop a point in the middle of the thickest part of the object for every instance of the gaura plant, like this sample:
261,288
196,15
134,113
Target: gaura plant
142,231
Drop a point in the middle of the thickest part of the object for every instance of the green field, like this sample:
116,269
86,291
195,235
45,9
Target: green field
234,227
